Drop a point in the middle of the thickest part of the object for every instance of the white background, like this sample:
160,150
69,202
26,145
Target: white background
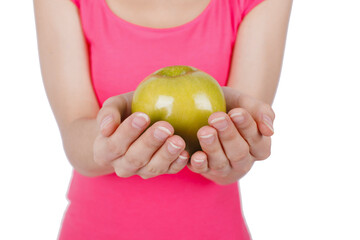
307,189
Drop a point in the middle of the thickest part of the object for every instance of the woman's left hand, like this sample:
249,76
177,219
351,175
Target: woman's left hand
232,142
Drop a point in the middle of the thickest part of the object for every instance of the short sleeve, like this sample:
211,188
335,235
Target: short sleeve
76,2
247,5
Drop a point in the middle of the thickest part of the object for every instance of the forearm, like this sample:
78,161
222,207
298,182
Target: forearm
259,50
262,90
78,141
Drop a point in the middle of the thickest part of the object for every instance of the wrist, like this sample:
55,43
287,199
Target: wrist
78,141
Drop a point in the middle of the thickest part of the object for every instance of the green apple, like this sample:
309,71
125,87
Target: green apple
183,96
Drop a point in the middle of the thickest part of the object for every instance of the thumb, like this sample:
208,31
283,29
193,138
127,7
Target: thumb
262,112
265,119
111,114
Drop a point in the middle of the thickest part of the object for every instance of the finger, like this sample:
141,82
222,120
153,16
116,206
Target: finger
110,148
265,119
179,163
210,144
110,115
161,160
259,145
234,145
199,163
141,151
262,112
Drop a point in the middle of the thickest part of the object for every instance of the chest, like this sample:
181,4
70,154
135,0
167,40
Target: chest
157,14
125,48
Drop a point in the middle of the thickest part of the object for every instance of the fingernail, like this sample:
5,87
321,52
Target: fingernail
267,120
199,160
237,117
182,159
208,139
161,133
172,148
140,120
106,121
219,123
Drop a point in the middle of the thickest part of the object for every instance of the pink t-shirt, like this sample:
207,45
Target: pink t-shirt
178,206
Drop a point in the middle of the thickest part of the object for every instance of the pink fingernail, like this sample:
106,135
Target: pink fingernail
172,148
182,159
106,121
208,139
199,160
219,123
161,133
237,117
267,120
140,120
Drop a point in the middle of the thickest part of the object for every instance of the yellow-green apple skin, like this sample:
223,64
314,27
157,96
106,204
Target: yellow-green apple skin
183,96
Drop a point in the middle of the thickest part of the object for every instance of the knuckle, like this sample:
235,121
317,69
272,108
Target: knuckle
115,148
240,156
219,166
135,162
154,171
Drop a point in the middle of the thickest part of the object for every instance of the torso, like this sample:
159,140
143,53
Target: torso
158,14
170,206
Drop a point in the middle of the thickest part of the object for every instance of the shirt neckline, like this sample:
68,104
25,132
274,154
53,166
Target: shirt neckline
170,29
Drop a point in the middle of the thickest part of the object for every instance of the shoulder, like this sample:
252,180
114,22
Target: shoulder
245,6
237,9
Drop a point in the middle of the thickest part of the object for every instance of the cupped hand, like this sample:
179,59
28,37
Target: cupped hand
131,147
233,141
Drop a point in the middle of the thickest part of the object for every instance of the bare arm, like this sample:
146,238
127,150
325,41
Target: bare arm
65,71
259,50
93,148
243,135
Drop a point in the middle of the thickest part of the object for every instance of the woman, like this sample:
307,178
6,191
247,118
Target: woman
134,182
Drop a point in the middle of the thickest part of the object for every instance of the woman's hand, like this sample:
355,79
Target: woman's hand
232,142
132,149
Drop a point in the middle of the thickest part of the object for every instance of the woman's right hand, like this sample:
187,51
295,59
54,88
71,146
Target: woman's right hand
130,148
